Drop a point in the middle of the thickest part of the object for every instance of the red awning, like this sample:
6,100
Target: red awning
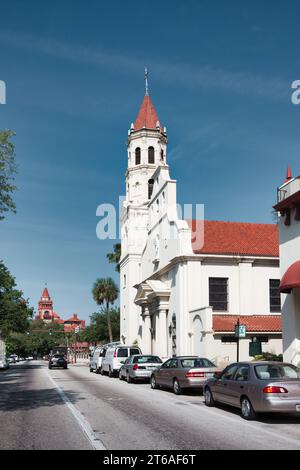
291,278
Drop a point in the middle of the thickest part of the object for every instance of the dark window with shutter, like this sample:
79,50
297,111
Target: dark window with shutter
218,293
275,305
151,155
138,156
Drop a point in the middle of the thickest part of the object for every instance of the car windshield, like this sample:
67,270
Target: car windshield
277,371
58,356
196,362
147,359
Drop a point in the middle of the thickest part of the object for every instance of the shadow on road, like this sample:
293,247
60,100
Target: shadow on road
17,392
31,399
266,418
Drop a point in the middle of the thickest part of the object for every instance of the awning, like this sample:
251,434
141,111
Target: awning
291,278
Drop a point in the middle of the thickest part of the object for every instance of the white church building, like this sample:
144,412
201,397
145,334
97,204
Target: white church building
288,207
184,284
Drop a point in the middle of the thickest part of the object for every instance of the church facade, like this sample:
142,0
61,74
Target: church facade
184,283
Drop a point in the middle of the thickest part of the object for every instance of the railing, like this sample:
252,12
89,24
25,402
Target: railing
288,189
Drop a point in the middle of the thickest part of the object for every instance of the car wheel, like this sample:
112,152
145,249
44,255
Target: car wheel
120,375
176,387
102,371
208,397
128,378
247,409
153,382
110,373
98,370
91,369
50,367
65,367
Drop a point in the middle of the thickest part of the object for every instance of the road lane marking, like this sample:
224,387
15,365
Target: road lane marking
83,423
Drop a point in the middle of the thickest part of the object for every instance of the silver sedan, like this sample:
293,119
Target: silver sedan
139,367
256,387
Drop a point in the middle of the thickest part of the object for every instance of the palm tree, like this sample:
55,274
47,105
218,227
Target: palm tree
105,291
115,256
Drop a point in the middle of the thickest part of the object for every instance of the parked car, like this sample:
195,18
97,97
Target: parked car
12,359
115,357
29,358
96,360
58,360
256,387
139,367
4,364
183,372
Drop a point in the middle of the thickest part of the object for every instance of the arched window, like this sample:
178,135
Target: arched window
150,188
162,155
138,156
151,155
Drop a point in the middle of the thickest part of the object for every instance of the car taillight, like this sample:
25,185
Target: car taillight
115,354
272,389
195,374
135,367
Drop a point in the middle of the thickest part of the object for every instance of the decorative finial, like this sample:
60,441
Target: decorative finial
146,81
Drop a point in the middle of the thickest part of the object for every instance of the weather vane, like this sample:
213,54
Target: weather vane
146,80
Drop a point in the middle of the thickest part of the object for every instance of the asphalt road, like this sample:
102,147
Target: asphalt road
74,409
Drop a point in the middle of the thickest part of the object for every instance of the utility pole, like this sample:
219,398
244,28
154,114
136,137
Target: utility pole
238,341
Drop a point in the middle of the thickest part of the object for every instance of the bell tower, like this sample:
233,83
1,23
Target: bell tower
147,149
45,309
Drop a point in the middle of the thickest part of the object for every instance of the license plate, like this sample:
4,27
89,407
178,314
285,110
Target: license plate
298,408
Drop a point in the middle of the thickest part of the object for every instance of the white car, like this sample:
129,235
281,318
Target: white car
116,355
96,360
4,364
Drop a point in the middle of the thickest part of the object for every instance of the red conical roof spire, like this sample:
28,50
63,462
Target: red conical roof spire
46,293
288,174
147,116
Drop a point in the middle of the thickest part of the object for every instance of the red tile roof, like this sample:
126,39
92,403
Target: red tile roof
235,238
147,116
74,318
254,323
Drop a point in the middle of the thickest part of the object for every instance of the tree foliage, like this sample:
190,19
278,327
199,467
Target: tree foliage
115,256
97,331
7,173
38,340
14,309
105,292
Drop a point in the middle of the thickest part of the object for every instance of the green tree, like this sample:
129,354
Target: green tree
38,340
105,292
115,256
97,331
14,310
7,173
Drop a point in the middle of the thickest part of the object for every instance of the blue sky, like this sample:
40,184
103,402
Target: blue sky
220,77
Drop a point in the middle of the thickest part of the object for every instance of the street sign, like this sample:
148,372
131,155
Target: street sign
240,331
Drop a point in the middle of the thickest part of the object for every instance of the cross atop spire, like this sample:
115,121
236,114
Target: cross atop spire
146,82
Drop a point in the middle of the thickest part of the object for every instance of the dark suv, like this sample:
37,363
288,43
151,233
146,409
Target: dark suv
58,360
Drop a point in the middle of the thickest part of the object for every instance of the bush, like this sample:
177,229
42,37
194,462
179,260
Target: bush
266,356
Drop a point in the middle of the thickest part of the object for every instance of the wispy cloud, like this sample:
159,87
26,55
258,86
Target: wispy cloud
206,77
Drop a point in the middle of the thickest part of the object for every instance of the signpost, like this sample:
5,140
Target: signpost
76,330
240,332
